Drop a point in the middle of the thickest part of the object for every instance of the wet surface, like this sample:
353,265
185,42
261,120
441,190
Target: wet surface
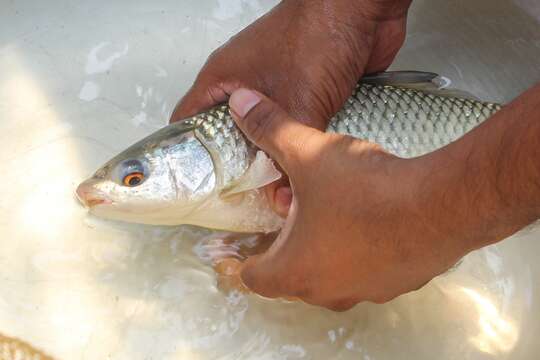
81,81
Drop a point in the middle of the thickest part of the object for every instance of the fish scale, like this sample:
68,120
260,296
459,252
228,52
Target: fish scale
406,122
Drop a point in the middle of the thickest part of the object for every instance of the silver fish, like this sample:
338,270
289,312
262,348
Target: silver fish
204,172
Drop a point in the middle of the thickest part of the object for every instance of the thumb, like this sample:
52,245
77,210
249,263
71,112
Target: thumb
269,127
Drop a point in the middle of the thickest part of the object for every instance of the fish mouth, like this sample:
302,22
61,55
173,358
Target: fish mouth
89,197
93,202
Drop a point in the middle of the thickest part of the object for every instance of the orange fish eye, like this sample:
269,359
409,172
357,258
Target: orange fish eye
133,179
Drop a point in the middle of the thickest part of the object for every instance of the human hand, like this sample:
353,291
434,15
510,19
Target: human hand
307,55
364,225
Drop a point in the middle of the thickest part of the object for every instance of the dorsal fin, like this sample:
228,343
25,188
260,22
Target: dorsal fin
399,78
427,82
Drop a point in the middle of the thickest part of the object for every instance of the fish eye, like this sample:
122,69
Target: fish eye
133,179
132,172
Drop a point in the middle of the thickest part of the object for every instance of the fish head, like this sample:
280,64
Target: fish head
158,180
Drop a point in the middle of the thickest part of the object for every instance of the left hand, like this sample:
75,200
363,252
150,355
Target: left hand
307,55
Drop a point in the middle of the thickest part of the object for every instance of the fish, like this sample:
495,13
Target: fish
203,171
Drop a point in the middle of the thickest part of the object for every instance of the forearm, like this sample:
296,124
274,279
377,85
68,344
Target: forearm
486,186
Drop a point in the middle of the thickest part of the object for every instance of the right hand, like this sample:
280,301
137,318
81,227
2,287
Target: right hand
364,225
306,55
367,225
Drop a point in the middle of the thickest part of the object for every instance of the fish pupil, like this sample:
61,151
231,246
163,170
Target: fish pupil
135,180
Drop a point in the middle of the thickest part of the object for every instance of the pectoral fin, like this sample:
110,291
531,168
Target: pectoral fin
260,173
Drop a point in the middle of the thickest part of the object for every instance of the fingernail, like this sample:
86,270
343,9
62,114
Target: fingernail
243,100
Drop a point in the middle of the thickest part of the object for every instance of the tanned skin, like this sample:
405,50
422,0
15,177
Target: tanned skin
361,224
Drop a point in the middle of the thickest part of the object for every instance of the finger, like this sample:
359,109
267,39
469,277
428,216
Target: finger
338,306
268,126
201,96
258,275
282,200
270,274
206,92
279,196
281,271
384,51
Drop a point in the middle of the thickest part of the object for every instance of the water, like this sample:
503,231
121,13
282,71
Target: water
78,84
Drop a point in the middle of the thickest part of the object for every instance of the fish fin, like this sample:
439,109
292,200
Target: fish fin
399,78
427,82
260,173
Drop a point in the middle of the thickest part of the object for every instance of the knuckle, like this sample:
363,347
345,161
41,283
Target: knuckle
420,286
322,298
377,300
338,304
382,299
341,305
215,54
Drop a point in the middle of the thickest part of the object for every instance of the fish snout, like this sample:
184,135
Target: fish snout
89,196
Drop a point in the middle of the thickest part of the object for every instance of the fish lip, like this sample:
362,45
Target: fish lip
92,202
87,196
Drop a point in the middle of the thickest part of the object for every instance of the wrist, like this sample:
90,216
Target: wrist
455,188
484,187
